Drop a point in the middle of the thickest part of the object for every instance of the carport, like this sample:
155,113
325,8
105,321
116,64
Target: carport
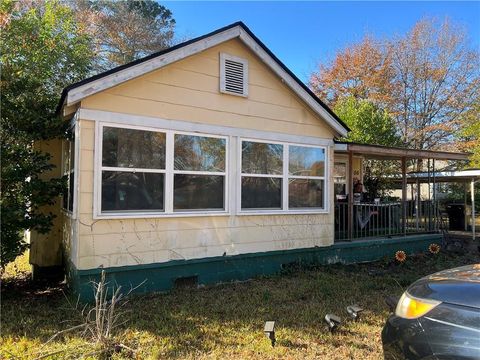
468,177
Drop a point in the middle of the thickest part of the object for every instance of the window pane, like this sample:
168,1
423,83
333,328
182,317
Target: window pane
72,153
66,195
133,148
198,192
68,165
306,161
261,193
261,158
71,191
66,158
199,153
132,191
339,189
305,193
340,173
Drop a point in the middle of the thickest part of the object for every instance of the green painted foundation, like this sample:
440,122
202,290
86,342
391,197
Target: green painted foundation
163,276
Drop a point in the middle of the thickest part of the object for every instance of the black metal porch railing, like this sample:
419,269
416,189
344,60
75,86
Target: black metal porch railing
371,220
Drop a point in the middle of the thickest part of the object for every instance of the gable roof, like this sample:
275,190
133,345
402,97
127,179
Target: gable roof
74,93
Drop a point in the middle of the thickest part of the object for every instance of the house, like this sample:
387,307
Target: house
207,162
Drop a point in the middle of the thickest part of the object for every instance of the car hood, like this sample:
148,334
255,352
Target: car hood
459,286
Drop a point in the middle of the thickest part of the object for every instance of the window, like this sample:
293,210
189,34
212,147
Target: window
340,178
161,171
262,169
282,176
199,173
146,172
306,177
69,168
233,75
133,170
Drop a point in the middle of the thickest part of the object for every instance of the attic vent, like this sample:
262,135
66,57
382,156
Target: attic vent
233,75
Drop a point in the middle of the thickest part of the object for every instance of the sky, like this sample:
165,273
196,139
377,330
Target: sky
304,34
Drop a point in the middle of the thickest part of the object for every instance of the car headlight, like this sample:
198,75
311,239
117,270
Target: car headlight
410,307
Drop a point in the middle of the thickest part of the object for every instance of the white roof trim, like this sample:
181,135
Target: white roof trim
78,93
340,147
93,87
454,173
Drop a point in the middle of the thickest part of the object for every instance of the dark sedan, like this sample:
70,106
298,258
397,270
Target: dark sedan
437,317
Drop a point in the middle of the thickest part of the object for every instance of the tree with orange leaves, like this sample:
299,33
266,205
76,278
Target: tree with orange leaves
427,79
362,71
469,134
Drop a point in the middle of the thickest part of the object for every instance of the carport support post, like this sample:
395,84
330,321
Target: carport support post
418,204
434,196
465,203
350,195
404,195
472,195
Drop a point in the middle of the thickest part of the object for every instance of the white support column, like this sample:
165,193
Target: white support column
472,194
418,203
465,203
434,196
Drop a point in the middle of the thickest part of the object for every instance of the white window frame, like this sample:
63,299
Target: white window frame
344,162
168,179
244,62
75,169
211,173
285,176
275,176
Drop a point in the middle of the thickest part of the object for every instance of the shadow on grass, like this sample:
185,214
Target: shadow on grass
231,316
33,309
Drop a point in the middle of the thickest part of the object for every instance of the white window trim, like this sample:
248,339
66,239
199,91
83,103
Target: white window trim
344,162
122,119
285,178
168,181
342,158
244,62
76,166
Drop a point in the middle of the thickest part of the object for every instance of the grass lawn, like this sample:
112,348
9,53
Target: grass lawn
224,321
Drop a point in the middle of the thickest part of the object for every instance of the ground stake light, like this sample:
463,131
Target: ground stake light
269,331
354,311
333,321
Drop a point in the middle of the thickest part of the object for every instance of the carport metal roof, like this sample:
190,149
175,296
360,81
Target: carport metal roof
444,176
392,153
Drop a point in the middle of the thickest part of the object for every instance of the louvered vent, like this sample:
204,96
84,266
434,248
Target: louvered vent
233,75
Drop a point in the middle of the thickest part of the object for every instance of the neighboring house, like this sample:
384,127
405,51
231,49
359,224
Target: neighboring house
209,161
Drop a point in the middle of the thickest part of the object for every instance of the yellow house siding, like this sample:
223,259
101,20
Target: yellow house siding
128,243
69,237
357,168
46,249
120,242
189,91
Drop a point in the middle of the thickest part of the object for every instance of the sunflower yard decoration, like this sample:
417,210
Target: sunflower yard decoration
434,248
400,256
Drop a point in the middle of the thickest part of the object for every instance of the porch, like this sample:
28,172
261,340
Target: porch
359,217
